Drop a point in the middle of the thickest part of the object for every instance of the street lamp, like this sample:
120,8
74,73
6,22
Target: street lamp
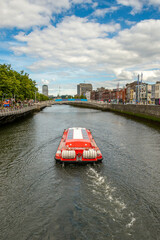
35,96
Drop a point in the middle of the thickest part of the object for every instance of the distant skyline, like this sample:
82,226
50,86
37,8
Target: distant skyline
66,42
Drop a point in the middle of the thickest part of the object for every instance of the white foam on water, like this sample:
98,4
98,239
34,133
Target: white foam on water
104,188
104,192
110,198
133,219
100,209
129,225
121,204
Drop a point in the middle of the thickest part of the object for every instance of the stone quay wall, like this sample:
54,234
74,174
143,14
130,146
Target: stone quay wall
150,112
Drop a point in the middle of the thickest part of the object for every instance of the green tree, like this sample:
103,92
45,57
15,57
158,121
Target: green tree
18,85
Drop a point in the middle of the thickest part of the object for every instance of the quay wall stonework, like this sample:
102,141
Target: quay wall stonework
151,112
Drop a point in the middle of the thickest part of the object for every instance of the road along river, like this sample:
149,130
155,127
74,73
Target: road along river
118,199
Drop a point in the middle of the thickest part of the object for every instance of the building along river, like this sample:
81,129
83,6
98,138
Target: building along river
118,199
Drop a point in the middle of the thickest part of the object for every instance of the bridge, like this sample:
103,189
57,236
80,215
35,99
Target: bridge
68,101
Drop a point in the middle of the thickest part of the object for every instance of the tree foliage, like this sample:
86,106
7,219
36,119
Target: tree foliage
18,85
80,97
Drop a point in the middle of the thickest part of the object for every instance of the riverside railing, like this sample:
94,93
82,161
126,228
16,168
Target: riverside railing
12,111
8,112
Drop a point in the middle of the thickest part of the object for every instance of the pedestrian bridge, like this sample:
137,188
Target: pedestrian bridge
69,100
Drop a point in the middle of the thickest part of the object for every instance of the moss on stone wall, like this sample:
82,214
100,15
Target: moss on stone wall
111,108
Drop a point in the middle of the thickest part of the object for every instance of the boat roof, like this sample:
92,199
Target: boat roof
77,133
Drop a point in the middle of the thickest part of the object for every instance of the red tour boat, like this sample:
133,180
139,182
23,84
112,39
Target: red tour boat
78,145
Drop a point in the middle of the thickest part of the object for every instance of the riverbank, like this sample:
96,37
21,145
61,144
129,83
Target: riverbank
146,112
11,115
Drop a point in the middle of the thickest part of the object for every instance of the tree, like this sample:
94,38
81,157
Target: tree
15,84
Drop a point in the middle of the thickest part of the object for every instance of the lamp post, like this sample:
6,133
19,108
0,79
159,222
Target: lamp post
138,88
3,95
35,96
118,92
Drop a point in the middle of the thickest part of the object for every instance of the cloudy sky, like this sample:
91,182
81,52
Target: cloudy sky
64,42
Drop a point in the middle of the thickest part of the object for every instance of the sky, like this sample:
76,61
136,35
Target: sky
62,43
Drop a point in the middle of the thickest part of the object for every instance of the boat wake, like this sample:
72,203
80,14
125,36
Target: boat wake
106,202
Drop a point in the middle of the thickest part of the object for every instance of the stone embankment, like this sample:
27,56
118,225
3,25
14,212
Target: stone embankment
10,115
150,112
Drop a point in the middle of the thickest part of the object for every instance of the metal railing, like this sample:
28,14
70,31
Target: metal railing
13,111
18,110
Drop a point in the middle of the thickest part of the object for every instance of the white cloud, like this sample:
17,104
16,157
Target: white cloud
81,1
151,76
143,40
122,75
72,42
102,12
130,23
136,5
76,43
43,81
27,13
154,2
95,4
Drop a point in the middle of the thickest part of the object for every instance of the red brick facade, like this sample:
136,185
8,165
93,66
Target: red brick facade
109,95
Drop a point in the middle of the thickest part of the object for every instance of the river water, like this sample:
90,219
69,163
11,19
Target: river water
118,199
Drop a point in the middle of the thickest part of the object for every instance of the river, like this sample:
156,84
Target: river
118,199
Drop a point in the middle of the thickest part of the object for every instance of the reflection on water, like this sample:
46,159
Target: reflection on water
118,199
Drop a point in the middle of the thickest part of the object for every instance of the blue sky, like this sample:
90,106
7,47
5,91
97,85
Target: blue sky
65,42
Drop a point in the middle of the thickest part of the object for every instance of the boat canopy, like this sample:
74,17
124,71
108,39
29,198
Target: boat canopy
77,133
77,137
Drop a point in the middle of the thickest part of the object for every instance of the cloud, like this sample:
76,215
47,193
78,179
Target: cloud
154,2
95,4
122,75
43,81
142,40
136,5
77,43
130,23
151,76
71,43
28,13
82,1
23,14
102,12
